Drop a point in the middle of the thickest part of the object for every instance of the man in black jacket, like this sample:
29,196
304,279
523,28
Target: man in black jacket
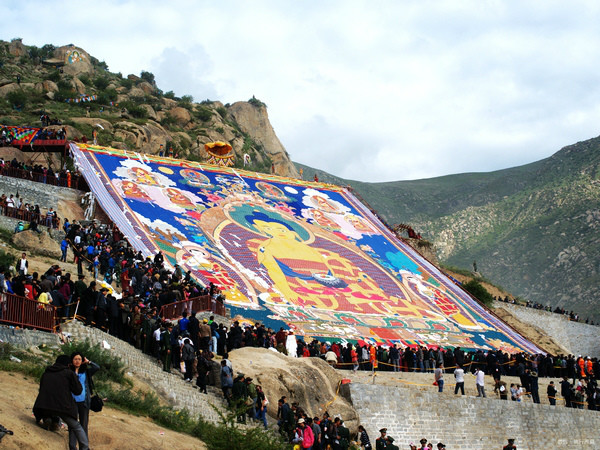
55,398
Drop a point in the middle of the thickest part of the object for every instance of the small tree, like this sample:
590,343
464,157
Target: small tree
147,76
476,289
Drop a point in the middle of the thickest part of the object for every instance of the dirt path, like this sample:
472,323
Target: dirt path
109,429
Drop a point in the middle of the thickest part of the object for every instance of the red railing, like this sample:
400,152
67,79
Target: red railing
202,303
16,310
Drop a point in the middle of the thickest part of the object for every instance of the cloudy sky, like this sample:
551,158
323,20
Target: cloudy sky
374,91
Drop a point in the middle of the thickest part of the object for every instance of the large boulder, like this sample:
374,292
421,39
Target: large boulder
147,88
78,86
181,115
8,88
37,243
94,122
16,48
46,86
309,381
76,60
150,110
136,92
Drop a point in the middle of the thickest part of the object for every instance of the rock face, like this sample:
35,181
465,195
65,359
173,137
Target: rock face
254,120
308,381
77,60
38,243
16,48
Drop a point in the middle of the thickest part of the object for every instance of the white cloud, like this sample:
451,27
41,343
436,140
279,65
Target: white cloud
376,92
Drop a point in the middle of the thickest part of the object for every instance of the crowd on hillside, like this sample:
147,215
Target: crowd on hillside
40,174
573,316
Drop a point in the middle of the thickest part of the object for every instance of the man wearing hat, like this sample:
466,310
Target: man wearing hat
510,446
101,308
423,443
440,445
204,334
385,442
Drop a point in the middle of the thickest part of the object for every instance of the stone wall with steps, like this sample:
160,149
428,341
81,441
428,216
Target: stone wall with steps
142,366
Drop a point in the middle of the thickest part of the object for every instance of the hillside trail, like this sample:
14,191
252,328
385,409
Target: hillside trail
109,429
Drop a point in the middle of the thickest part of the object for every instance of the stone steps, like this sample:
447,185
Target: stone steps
170,385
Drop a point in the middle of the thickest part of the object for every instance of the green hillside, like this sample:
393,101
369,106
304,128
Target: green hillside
534,229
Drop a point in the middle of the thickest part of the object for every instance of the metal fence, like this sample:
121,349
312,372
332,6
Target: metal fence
202,303
26,313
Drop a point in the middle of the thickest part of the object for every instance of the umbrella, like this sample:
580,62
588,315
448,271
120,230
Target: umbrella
217,148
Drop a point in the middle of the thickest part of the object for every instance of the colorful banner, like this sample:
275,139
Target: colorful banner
285,250
82,98
21,135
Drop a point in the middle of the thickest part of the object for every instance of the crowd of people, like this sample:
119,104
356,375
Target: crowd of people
9,134
17,208
40,174
572,315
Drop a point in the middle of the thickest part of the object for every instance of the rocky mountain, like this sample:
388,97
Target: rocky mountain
130,112
533,229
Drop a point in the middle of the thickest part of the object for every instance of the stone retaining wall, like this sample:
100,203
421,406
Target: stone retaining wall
45,195
471,423
27,338
579,338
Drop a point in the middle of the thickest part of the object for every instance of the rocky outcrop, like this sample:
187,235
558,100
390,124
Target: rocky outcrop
180,115
76,60
37,243
309,381
254,120
16,48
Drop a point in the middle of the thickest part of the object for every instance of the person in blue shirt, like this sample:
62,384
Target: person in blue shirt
85,369
183,322
64,246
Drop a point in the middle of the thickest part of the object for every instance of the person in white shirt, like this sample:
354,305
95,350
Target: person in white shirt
23,265
480,382
459,375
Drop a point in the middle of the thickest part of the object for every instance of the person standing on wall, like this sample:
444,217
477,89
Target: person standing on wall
438,374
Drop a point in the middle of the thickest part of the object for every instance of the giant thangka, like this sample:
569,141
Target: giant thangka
283,250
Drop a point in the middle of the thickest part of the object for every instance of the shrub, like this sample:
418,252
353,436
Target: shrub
170,94
220,130
222,111
126,83
64,85
107,96
256,102
147,76
17,99
203,113
476,289
135,110
54,76
6,259
85,79
101,83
